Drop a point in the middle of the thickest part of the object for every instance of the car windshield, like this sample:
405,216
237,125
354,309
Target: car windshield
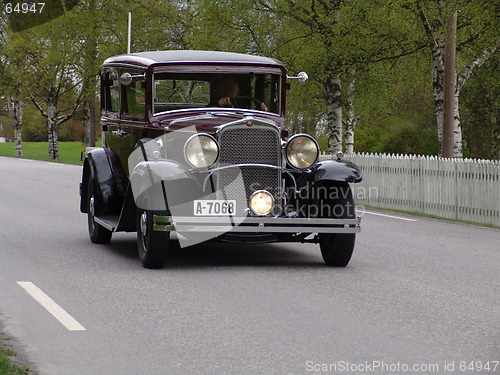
247,91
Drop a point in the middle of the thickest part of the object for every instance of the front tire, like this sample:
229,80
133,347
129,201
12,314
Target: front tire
97,233
337,248
152,245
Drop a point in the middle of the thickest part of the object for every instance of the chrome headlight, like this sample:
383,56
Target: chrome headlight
302,151
261,202
201,150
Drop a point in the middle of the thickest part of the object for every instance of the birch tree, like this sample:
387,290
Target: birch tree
343,36
462,78
89,20
351,119
99,30
47,102
47,70
474,23
9,68
321,21
16,107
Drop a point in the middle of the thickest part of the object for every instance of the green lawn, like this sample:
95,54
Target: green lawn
69,152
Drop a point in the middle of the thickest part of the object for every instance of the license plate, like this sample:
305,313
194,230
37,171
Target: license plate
216,207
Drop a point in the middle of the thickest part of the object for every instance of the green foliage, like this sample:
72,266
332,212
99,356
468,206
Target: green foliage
480,112
6,366
384,42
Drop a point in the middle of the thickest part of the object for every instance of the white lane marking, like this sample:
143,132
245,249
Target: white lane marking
48,303
389,216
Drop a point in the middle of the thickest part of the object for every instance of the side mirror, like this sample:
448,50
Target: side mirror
302,77
127,78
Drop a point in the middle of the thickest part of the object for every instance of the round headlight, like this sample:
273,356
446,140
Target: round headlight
302,151
261,202
201,150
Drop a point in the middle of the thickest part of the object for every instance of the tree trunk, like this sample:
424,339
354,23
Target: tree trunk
89,85
90,122
457,130
449,148
438,85
52,125
334,113
17,114
52,119
435,34
352,119
53,140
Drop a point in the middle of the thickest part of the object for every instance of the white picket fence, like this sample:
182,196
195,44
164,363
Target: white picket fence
467,189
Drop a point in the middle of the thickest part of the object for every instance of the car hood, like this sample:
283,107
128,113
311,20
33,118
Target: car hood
209,120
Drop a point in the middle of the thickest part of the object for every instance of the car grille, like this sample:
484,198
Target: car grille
240,144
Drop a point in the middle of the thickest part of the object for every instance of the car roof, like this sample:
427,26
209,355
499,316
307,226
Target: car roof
147,59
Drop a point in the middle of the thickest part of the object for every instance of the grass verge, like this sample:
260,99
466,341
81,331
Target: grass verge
6,365
69,152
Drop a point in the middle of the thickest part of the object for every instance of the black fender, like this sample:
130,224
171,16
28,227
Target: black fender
98,167
330,170
333,173
158,185
336,170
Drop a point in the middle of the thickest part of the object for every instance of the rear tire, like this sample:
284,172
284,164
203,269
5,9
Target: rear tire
97,233
337,248
152,245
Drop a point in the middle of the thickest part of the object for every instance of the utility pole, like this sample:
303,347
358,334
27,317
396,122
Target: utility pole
450,81
129,32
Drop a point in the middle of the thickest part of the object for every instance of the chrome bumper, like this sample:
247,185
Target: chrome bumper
256,224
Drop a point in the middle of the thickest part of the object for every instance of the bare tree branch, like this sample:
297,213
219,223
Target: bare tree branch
39,107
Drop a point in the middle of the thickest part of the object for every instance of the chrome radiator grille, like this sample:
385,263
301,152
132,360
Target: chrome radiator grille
240,144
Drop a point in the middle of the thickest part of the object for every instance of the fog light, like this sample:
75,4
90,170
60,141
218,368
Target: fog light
261,202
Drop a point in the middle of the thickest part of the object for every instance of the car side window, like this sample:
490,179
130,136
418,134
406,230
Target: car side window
110,101
268,89
134,95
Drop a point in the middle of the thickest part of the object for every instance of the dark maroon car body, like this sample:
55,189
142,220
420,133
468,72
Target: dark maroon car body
152,94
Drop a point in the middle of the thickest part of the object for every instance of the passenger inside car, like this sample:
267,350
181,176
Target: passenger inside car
227,88
228,93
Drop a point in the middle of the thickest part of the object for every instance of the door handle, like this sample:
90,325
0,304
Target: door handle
119,132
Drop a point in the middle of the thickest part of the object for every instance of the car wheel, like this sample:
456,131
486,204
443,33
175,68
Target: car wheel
152,245
337,248
97,233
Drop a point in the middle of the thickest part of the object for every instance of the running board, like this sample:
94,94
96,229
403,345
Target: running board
108,222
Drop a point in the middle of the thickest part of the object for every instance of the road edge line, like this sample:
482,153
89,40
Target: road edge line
51,306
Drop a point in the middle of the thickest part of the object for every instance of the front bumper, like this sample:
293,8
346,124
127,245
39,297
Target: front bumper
256,225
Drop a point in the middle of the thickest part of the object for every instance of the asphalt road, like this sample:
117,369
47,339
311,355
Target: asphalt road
418,296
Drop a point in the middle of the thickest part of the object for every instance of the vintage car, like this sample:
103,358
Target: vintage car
195,149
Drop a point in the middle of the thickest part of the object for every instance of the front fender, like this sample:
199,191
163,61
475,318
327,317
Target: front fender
97,168
330,170
158,185
336,170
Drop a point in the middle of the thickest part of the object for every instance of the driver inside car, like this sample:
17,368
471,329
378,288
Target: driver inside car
227,90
